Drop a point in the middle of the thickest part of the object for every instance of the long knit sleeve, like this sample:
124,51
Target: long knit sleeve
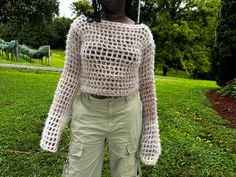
65,92
150,148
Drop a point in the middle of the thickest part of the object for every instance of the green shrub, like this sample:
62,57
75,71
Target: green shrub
224,52
229,89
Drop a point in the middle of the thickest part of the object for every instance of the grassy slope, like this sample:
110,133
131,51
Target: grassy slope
57,60
195,140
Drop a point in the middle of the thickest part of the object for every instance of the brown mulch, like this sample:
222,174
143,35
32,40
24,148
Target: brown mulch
224,105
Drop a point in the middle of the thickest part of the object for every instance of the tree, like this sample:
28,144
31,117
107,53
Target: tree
22,11
78,7
60,27
203,21
183,34
28,21
224,55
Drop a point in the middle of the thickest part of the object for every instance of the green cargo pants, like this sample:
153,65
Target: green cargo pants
96,123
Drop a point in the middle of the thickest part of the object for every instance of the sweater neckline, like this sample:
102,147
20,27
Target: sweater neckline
119,23
115,23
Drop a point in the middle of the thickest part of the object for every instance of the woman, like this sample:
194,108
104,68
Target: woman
108,81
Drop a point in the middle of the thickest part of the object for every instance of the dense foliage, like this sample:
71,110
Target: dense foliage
229,89
80,6
184,33
59,27
34,23
54,34
23,11
224,62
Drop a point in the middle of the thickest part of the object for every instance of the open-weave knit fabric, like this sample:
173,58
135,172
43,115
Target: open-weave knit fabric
112,59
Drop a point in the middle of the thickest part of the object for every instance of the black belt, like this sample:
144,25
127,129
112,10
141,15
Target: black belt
103,96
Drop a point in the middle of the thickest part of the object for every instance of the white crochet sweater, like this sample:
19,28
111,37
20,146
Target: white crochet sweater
107,58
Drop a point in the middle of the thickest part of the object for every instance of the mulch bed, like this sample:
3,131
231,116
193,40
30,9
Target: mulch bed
224,105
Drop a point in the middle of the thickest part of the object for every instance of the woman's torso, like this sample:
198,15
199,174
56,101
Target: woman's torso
110,54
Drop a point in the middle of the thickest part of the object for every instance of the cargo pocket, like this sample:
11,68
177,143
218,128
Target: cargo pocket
124,161
76,149
131,148
74,160
122,151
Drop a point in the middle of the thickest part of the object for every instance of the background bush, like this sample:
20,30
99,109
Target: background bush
229,89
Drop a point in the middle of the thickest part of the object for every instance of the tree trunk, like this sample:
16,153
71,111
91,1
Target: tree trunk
165,70
195,74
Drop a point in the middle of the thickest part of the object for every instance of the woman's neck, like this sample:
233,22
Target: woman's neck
116,17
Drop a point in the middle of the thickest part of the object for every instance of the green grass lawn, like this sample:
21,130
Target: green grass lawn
195,140
57,60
